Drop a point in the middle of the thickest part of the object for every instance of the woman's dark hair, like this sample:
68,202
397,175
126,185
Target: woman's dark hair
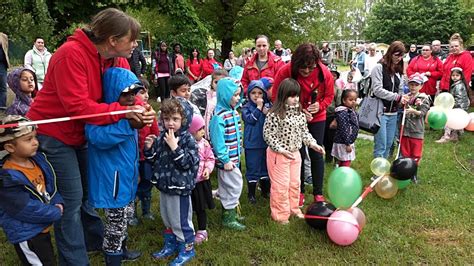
210,49
262,36
463,80
158,47
306,54
346,93
191,57
387,61
33,94
112,22
288,88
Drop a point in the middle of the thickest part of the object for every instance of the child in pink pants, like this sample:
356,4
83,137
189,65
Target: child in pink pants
285,131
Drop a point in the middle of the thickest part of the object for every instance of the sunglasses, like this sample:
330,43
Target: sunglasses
398,54
426,50
309,67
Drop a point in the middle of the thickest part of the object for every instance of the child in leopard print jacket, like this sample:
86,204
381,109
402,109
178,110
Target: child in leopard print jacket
285,131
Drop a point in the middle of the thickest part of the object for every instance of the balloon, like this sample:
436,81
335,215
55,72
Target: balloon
380,166
359,215
345,187
470,126
319,208
444,100
403,183
403,169
343,231
437,118
457,119
386,188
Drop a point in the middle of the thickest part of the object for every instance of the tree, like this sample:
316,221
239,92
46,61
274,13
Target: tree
418,21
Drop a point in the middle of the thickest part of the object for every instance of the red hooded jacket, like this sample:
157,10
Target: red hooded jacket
270,70
463,60
432,65
308,84
73,86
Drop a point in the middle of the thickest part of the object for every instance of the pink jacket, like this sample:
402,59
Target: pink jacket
207,159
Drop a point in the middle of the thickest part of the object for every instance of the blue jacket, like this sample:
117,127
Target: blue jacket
347,125
113,150
254,119
24,212
175,171
225,128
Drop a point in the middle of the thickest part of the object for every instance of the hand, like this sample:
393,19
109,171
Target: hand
288,155
308,115
149,141
229,166
149,115
259,103
171,140
333,124
313,108
427,73
135,124
61,208
205,174
348,148
265,110
405,99
317,148
137,116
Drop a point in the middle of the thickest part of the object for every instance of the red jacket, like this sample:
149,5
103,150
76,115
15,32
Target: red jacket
143,133
270,70
73,86
194,67
432,65
308,85
462,60
207,66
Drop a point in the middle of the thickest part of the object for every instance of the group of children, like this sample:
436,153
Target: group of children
196,136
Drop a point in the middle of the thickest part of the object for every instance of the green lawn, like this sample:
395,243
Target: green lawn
428,223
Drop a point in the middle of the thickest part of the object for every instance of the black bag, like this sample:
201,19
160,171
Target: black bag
371,108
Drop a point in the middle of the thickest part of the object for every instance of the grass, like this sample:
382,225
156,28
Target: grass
428,223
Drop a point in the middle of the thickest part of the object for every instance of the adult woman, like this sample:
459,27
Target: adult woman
371,59
72,87
230,62
209,64
458,57
162,68
412,53
194,66
244,57
263,64
317,93
359,59
387,85
429,66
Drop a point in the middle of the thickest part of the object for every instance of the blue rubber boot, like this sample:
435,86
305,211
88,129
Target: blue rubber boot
186,254
170,247
113,259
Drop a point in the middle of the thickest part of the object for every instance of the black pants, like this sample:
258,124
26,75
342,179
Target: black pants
201,219
329,135
163,90
317,161
37,250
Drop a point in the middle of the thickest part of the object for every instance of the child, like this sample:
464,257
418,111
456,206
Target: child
285,131
145,167
347,129
254,113
225,131
416,110
23,83
458,88
29,201
350,84
176,162
331,124
113,166
180,86
202,193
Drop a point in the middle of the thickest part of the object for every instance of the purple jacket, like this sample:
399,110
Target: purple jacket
22,102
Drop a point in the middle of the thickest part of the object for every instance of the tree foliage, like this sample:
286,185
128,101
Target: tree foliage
418,21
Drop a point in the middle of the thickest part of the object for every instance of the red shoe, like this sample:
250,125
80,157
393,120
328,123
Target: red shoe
319,198
301,203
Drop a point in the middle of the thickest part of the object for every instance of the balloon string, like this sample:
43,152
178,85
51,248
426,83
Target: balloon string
308,216
457,159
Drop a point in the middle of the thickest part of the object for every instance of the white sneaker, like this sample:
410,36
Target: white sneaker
215,194
158,99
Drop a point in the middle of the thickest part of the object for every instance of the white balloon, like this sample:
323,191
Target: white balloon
457,118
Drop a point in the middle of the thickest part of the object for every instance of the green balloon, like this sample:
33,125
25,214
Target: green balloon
437,118
403,183
345,186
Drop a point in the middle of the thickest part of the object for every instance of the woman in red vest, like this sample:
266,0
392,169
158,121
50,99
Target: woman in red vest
194,66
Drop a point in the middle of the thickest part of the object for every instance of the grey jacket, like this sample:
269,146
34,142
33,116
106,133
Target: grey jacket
378,89
459,92
415,124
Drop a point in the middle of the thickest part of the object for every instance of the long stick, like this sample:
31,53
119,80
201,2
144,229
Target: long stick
401,131
62,119
366,192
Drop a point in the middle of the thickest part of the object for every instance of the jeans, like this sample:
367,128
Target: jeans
80,224
383,140
317,162
3,87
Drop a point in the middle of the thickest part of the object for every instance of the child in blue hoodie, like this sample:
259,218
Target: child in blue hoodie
113,166
226,138
254,113
176,162
29,201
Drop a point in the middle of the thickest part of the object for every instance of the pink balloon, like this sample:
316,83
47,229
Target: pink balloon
470,126
342,228
457,118
359,215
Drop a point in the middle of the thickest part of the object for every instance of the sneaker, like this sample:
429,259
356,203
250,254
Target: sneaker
215,194
201,236
308,180
319,198
149,216
415,179
158,99
301,203
443,139
373,178
133,221
299,215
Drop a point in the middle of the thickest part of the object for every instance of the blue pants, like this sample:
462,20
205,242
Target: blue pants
177,214
3,87
383,140
80,228
256,163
